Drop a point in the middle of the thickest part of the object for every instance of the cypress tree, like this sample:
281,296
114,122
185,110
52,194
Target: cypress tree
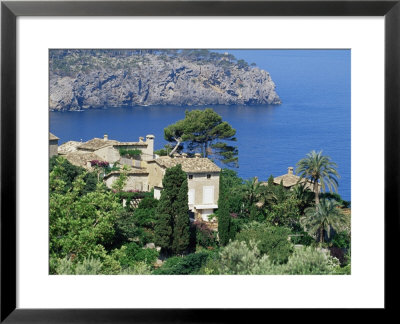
163,231
182,223
171,205
224,218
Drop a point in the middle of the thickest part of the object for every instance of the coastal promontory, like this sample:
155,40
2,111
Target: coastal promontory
82,79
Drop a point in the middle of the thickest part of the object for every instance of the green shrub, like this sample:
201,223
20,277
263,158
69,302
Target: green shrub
341,240
309,260
88,266
125,228
68,172
270,240
137,224
189,264
346,270
205,236
212,265
241,258
129,153
134,253
139,268
302,238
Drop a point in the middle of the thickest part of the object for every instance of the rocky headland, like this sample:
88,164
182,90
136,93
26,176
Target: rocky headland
82,79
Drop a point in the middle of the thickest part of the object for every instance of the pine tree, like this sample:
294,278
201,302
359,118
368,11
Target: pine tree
204,131
172,211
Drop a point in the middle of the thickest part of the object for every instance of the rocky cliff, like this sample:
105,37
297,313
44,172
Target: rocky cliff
81,79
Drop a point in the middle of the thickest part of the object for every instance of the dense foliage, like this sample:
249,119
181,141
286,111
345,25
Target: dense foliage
67,172
271,240
189,264
263,228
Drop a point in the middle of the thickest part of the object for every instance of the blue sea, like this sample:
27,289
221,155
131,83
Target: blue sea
314,86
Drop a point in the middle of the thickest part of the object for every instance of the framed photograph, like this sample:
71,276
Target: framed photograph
183,137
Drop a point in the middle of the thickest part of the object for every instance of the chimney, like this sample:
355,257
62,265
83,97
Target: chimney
141,139
290,170
105,138
184,155
150,144
197,155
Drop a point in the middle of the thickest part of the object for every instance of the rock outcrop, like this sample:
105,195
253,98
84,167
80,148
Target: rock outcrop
80,81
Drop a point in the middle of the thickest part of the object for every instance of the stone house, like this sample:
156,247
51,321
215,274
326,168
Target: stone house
289,180
137,179
203,181
53,145
108,150
105,149
147,172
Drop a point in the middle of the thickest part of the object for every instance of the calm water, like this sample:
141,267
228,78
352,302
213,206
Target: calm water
314,86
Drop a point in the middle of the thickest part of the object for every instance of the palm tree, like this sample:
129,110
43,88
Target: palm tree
317,167
250,190
304,195
326,216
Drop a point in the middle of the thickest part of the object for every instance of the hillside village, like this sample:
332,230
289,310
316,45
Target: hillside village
226,215
146,170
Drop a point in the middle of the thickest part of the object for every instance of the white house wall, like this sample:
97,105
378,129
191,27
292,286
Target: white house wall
199,181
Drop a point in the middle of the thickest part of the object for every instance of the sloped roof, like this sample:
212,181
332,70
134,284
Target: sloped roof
81,158
290,179
96,144
68,147
189,165
52,137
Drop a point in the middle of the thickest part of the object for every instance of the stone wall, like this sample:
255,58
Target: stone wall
156,174
134,182
53,147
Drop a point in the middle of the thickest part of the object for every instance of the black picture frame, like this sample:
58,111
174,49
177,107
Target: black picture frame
10,10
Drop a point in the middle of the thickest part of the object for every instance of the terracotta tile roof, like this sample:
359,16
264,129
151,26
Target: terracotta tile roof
189,165
53,137
81,158
96,144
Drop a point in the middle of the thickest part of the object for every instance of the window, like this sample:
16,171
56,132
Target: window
190,176
208,194
208,176
191,194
